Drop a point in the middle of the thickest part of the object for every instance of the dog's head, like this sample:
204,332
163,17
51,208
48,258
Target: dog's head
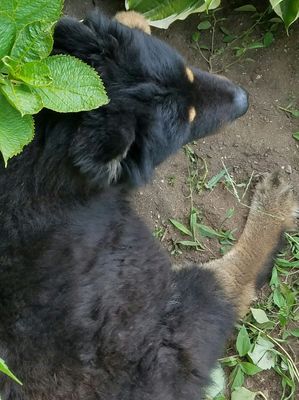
157,101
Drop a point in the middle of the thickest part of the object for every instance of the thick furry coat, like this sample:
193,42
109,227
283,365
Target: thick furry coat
90,306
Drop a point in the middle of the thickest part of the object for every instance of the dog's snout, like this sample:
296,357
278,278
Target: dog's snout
240,102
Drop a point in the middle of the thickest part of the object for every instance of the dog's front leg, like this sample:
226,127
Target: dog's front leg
273,211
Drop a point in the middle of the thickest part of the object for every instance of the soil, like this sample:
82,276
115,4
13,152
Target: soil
259,142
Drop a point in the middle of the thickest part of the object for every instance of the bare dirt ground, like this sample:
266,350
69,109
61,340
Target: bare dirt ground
260,141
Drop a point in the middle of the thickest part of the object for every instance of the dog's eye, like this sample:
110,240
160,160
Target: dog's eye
189,74
192,114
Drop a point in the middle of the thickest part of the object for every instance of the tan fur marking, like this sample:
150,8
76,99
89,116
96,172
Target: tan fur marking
192,114
190,74
132,19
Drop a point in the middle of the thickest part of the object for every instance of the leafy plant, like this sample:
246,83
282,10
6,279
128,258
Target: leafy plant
192,231
235,44
288,10
159,232
161,13
196,232
31,79
197,170
262,338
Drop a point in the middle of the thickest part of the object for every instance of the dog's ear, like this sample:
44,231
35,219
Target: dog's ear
101,142
75,38
133,19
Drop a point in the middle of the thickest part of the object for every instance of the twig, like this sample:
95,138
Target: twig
262,395
248,184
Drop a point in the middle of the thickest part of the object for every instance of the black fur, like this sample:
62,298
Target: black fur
90,307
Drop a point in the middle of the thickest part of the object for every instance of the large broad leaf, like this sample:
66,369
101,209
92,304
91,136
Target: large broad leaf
35,73
262,354
242,393
161,13
75,86
4,368
33,42
15,131
7,33
27,11
288,10
21,97
243,342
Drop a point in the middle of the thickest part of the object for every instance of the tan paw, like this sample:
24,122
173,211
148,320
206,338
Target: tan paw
275,198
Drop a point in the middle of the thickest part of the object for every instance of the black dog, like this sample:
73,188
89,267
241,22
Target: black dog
90,306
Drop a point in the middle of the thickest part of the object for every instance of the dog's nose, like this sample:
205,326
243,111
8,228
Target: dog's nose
240,102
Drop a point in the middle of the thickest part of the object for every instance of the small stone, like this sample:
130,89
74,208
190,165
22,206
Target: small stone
289,169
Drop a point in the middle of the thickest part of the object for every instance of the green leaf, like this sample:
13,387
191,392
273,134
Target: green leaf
255,45
207,231
195,36
295,113
193,221
21,97
15,131
228,38
204,25
292,111
218,383
246,8
230,212
242,393
215,179
189,243
294,332
182,228
240,51
161,13
262,355
243,342
296,135
25,11
259,315
33,42
237,377
230,361
4,368
288,10
11,64
225,30
34,73
278,298
274,278
7,34
249,368
204,47
281,262
75,86
268,39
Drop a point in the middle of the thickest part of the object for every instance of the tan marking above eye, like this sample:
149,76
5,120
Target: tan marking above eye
192,114
190,74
